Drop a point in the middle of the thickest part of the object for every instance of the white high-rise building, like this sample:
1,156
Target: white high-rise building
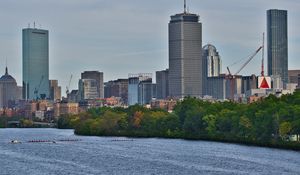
213,60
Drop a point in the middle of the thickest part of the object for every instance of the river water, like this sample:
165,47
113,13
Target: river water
108,155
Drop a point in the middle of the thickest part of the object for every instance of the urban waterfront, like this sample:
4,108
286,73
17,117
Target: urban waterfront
116,155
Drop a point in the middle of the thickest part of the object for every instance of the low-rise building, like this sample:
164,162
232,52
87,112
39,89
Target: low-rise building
65,109
167,104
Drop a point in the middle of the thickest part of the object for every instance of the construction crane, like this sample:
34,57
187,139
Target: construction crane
232,77
67,87
263,57
36,89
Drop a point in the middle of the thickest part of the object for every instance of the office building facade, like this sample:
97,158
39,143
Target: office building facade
277,38
134,81
185,56
98,76
87,89
117,88
55,90
35,51
293,76
162,84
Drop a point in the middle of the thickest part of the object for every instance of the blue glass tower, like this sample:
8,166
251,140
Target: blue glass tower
277,36
35,43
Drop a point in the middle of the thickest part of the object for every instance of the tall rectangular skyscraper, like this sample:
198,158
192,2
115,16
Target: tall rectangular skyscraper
35,44
185,58
277,37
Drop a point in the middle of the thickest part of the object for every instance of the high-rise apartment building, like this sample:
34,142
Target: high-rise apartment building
98,76
35,44
185,56
212,59
277,37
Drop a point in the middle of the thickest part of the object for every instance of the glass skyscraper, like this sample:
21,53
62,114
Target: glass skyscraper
185,56
35,43
277,37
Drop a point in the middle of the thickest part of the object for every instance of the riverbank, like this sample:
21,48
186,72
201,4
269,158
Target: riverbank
295,146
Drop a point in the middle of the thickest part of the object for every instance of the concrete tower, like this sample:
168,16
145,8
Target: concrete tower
185,58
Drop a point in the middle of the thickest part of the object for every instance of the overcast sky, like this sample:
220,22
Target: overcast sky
119,37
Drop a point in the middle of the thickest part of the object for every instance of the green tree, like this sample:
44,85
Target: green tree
210,123
285,129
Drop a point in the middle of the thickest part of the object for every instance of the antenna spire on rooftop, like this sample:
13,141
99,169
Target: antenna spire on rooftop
6,71
184,6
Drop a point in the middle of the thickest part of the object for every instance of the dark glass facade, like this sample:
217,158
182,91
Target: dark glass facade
277,37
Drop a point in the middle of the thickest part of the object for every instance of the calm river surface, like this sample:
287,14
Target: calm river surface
108,155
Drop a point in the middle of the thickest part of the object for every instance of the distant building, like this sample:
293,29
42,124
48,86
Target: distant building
162,84
98,76
293,76
163,104
88,89
277,37
249,82
65,109
222,87
136,89
186,74
146,91
217,87
73,96
35,63
8,90
117,88
213,60
55,90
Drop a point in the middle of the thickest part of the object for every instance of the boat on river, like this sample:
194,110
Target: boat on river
15,142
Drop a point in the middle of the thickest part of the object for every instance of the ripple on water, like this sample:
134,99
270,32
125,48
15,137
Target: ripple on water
101,155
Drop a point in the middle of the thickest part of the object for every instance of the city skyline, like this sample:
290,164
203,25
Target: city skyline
84,39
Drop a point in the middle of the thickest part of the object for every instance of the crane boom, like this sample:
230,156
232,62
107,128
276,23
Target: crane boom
263,57
251,57
67,88
228,70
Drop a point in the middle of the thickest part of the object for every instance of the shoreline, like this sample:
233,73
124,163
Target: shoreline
292,146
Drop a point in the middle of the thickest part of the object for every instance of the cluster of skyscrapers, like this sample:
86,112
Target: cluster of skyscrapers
193,70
